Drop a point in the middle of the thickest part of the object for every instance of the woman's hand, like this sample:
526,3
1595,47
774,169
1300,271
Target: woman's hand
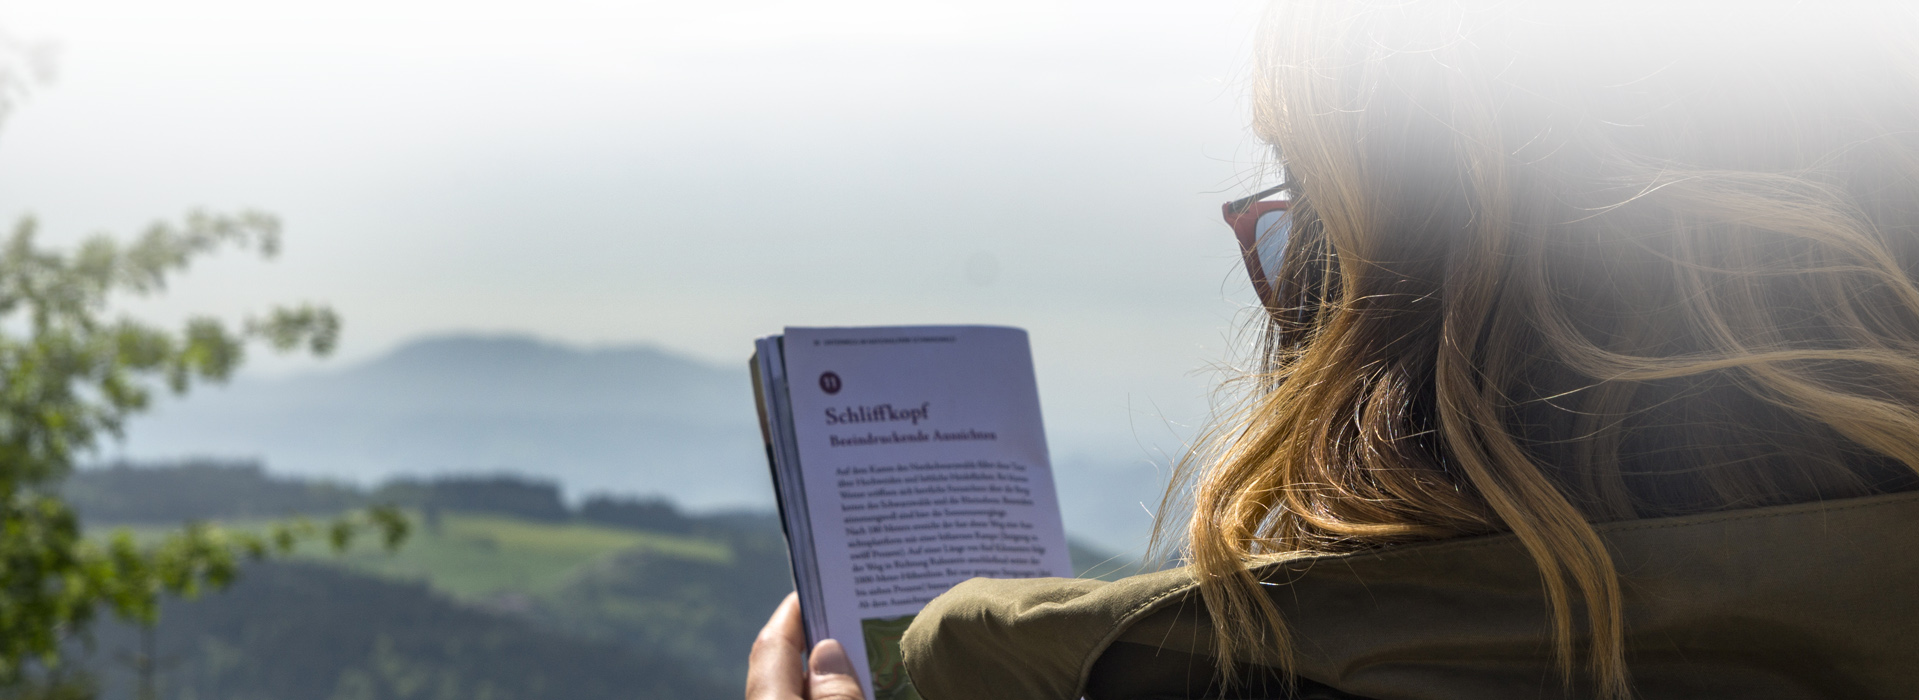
773,672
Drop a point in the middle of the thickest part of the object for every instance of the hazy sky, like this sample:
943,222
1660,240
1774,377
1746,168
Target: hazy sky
688,174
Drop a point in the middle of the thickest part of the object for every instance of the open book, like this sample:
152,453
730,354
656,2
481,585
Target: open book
905,460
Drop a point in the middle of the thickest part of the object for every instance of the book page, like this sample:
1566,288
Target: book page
925,464
776,426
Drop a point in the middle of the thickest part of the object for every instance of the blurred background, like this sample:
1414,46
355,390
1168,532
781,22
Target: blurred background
554,228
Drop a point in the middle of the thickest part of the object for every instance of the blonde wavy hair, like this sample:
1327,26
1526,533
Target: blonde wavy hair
1557,267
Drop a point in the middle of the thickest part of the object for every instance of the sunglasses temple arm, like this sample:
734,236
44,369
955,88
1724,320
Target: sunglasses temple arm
1239,205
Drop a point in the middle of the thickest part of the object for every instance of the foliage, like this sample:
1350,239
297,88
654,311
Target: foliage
70,376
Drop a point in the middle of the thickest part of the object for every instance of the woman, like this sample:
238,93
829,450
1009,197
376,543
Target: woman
1593,371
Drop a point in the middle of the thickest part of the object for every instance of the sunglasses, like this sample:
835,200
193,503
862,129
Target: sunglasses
1262,227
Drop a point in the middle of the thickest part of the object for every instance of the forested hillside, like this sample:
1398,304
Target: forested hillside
307,631
502,591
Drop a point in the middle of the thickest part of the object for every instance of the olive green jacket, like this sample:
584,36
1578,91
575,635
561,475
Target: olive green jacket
1815,600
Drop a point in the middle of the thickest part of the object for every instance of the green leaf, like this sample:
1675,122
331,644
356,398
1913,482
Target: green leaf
69,375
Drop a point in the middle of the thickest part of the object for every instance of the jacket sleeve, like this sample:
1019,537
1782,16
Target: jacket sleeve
1028,639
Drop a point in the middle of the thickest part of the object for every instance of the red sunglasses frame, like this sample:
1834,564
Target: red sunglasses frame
1243,215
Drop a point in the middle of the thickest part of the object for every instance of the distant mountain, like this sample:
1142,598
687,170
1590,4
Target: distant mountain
631,420
623,419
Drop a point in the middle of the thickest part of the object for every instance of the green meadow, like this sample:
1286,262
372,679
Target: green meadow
478,556
473,556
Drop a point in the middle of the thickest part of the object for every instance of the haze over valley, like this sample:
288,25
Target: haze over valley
622,419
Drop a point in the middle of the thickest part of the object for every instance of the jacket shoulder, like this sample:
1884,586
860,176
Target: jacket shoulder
1026,639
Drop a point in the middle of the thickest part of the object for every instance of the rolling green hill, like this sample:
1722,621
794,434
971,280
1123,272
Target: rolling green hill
493,568
462,593
479,556
300,631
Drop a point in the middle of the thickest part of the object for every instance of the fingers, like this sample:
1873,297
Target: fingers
832,677
773,671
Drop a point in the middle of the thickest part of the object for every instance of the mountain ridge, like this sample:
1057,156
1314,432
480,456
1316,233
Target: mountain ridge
630,419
